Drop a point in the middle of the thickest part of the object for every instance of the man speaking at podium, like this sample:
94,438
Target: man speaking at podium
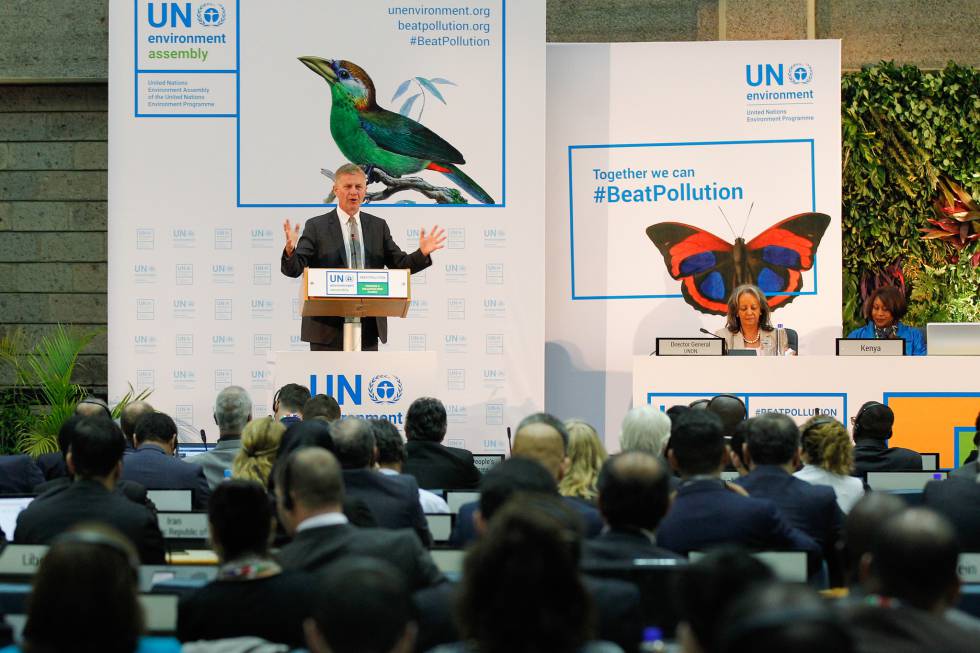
349,238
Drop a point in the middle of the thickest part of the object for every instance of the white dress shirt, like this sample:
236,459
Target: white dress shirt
323,519
432,504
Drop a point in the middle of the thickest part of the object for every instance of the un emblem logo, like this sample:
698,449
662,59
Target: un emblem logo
385,389
210,14
800,73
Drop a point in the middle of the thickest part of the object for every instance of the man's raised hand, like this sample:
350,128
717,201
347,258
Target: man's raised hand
292,237
436,239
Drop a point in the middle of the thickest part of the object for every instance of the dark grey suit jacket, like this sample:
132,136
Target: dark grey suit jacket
19,474
314,549
322,246
393,500
152,468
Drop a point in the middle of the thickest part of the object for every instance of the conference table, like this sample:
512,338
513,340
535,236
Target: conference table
935,398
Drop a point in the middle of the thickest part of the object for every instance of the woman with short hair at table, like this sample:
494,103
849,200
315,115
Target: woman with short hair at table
884,310
749,327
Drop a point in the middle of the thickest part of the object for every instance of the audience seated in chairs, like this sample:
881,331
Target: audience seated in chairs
434,465
95,459
154,466
391,458
19,474
872,429
322,407
828,458
393,500
361,606
585,455
709,512
911,580
634,492
260,445
84,597
232,411
52,464
309,496
520,589
645,429
252,595
773,450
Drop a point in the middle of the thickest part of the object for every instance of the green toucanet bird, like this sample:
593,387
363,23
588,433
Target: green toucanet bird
371,136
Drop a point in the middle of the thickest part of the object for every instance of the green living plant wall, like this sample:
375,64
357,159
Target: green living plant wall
904,131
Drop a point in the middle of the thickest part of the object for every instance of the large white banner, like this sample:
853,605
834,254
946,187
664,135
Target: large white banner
224,117
676,171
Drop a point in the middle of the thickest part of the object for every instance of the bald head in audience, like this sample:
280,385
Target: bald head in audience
93,407
633,491
131,414
542,437
309,484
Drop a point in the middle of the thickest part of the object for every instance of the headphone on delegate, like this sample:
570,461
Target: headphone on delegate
745,411
858,428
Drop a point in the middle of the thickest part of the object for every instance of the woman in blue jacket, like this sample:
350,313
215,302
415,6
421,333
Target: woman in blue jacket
884,310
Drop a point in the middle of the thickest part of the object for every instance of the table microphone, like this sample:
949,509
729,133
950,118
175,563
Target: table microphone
723,347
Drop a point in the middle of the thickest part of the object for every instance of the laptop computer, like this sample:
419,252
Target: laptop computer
11,506
953,338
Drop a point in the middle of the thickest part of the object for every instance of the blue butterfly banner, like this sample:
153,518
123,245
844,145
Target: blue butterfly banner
677,171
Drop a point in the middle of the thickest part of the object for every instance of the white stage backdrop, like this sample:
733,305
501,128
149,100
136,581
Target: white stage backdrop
731,138
218,133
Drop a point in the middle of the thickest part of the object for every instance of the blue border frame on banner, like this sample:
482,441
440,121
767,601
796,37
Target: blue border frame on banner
747,397
571,211
238,120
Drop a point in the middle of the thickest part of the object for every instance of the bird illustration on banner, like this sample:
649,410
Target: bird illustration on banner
387,144
710,268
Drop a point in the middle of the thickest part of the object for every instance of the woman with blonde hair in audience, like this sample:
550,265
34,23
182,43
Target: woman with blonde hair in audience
260,443
828,459
586,455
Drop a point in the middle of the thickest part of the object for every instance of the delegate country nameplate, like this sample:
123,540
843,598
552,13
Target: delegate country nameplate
870,347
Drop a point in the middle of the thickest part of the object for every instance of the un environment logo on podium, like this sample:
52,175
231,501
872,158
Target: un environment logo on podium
210,14
385,389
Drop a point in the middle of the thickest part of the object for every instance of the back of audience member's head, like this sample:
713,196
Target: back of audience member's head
862,524
93,407
914,559
773,439
874,421
826,444
676,411
353,441
634,489
699,404
585,455
156,427
645,428
96,448
299,435
730,409
130,416
362,605
322,407
290,398
510,477
391,446
780,617
84,595
232,410
736,446
544,438
426,420
521,591
260,445
696,443
708,587
240,519
311,479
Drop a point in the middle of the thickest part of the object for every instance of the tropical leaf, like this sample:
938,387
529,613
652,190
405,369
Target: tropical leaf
128,398
401,89
407,107
441,80
431,88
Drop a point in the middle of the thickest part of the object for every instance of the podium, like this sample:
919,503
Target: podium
355,294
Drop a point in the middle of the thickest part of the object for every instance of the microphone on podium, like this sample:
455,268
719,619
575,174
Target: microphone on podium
724,349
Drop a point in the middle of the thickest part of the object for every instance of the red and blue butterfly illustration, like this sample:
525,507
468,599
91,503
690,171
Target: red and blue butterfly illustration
710,268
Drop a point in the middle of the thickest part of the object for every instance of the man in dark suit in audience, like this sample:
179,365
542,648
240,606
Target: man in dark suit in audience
633,498
958,499
970,469
543,438
523,479
309,496
434,465
52,464
913,572
708,511
131,414
872,429
154,466
773,454
19,474
393,500
95,460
